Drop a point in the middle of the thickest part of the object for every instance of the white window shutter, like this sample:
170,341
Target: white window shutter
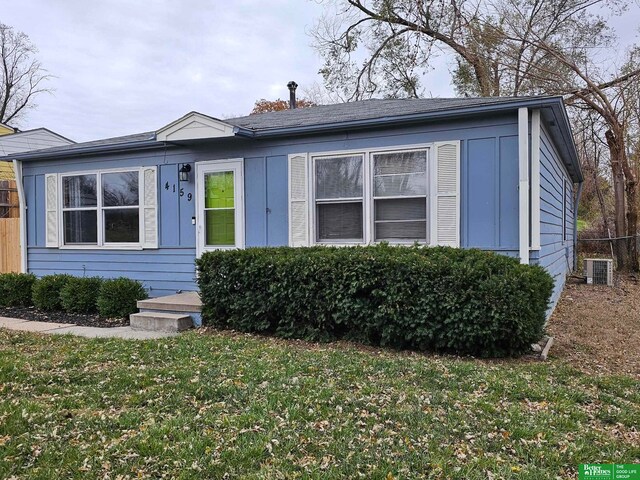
298,200
149,232
51,207
445,194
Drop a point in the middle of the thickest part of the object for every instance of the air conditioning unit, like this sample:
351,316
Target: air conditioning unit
599,271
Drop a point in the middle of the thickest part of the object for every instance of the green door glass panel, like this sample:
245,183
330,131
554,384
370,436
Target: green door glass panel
219,204
220,227
219,190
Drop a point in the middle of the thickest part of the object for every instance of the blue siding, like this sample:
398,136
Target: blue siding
277,201
489,197
509,203
255,196
162,272
29,182
556,254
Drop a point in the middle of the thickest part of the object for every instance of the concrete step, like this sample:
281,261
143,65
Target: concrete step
180,302
160,321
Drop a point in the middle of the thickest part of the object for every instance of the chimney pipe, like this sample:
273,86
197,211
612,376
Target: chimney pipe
292,94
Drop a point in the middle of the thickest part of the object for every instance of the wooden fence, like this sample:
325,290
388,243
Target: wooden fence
9,227
9,245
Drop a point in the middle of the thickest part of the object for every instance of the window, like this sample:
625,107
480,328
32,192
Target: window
101,208
80,209
219,206
339,198
400,196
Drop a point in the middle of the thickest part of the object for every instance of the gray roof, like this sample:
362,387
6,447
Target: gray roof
136,137
362,114
361,110
31,140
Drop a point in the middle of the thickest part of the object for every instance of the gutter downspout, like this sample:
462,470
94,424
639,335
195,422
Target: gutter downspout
17,167
575,227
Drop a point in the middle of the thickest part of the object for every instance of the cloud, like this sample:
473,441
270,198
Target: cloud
125,66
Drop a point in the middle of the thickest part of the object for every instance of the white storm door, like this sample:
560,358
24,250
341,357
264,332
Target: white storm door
220,205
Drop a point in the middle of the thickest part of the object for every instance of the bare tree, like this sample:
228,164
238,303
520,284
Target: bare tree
384,47
21,74
598,86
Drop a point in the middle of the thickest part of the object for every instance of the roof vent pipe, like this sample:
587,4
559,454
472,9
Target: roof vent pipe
292,94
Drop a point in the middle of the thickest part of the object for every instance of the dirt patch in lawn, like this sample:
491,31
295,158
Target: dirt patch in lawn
597,328
85,320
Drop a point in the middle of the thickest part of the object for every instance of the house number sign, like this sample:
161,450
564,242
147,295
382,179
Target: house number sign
180,192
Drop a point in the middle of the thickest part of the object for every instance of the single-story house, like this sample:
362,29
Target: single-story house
497,174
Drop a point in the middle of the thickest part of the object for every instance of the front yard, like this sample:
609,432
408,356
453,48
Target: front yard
212,405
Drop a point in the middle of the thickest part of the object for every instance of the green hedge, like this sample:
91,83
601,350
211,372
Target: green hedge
443,299
15,289
119,297
46,291
80,294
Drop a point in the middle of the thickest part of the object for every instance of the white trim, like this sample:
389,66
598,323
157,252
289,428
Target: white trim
535,180
236,165
101,244
51,179
304,201
523,184
433,185
17,167
193,126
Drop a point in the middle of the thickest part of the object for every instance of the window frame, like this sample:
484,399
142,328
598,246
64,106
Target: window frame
314,201
368,190
236,165
100,208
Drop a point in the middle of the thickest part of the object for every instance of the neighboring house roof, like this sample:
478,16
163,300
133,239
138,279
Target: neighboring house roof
36,139
338,117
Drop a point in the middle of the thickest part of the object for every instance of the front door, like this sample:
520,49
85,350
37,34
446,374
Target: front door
220,205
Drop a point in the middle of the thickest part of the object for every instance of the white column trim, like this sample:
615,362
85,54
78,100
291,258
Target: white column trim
17,167
535,180
523,185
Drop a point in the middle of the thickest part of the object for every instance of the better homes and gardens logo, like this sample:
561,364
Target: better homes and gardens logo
601,471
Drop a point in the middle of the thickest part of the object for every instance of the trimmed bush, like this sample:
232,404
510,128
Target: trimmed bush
118,297
444,299
46,291
15,289
79,295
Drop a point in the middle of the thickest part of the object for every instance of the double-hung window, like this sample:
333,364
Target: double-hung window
101,208
400,196
339,199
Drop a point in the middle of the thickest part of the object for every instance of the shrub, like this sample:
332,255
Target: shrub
118,297
79,295
444,299
15,289
46,291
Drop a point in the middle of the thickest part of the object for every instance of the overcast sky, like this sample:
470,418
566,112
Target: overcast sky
126,66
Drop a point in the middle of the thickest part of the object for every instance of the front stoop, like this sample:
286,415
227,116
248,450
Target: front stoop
160,321
172,313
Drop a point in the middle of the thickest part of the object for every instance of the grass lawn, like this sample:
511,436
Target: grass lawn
224,406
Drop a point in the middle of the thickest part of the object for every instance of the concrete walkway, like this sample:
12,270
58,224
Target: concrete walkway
89,332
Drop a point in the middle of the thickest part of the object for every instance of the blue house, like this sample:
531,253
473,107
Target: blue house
492,173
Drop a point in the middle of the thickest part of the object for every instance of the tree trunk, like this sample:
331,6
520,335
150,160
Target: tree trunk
620,219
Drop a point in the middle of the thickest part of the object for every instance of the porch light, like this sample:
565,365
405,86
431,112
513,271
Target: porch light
184,172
